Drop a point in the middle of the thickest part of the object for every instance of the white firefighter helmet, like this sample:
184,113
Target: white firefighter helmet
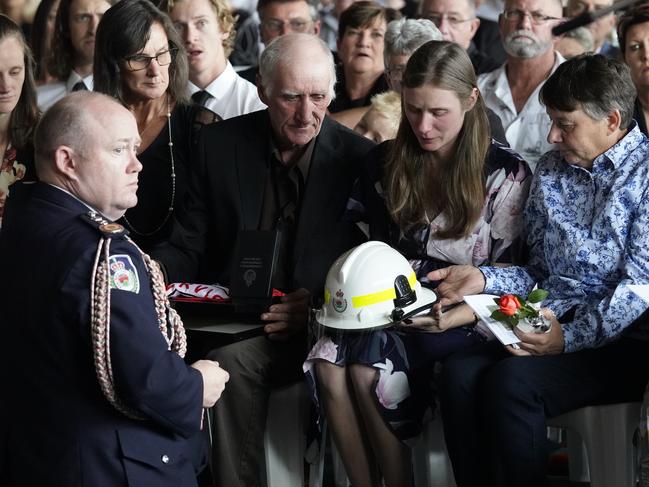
371,286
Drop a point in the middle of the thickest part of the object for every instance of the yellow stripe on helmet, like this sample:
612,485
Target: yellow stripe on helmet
379,296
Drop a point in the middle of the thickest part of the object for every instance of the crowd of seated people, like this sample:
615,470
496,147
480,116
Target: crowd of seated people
493,154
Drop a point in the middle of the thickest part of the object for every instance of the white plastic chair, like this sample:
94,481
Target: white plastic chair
600,447
430,461
600,443
285,436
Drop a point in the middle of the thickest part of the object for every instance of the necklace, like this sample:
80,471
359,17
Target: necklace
173,188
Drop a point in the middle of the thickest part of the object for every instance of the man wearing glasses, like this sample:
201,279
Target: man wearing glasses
279,17
601,28
457,22
512,91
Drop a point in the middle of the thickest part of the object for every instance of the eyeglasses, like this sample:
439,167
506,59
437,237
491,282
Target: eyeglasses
138,62
293,25
536,17
452,19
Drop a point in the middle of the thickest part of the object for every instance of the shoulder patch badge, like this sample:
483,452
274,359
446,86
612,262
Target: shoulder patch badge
123,274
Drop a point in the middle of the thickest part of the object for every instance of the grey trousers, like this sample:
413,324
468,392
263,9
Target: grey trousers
255,366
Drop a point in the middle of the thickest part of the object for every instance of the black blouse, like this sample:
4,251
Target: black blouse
150,221
342,100
638,115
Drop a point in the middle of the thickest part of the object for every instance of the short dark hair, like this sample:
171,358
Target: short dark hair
25,114
362,14
631,17
594,83
123,31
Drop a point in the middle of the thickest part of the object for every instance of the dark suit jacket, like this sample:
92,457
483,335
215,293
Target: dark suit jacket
487,40
250,74
56,427
482,63
227,195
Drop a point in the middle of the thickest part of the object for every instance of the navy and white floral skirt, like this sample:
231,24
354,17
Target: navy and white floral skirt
405,359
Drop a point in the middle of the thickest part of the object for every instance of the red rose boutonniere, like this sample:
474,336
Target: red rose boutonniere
513,309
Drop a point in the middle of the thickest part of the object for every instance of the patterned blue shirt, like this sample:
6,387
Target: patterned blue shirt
588,234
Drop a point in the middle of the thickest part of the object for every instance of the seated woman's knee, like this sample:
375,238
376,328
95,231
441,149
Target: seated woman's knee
332,379
362,376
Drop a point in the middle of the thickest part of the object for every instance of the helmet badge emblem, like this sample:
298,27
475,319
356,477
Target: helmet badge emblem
339,302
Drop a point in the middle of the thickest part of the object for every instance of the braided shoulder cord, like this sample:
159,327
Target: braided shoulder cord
174,333
100,321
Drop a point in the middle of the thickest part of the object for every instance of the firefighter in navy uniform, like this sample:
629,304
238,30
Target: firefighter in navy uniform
95,390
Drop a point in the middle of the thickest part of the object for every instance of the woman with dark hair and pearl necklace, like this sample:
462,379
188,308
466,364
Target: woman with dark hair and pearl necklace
140,60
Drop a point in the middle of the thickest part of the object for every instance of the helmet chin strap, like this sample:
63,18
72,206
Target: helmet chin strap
405,297
411,313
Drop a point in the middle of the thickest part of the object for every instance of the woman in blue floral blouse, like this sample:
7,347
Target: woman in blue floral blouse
18,111
442,192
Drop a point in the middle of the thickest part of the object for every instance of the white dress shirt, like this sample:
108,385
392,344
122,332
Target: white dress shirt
231,95
528,130
50,93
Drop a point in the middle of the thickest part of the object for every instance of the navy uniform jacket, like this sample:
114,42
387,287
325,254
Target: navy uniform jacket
57,429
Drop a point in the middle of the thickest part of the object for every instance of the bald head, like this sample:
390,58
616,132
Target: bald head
68,122
86,144
296,82
291,50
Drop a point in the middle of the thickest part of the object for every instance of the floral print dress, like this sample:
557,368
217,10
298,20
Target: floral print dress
404,359
11,171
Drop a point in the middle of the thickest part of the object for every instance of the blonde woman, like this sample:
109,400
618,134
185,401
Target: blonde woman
381,121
